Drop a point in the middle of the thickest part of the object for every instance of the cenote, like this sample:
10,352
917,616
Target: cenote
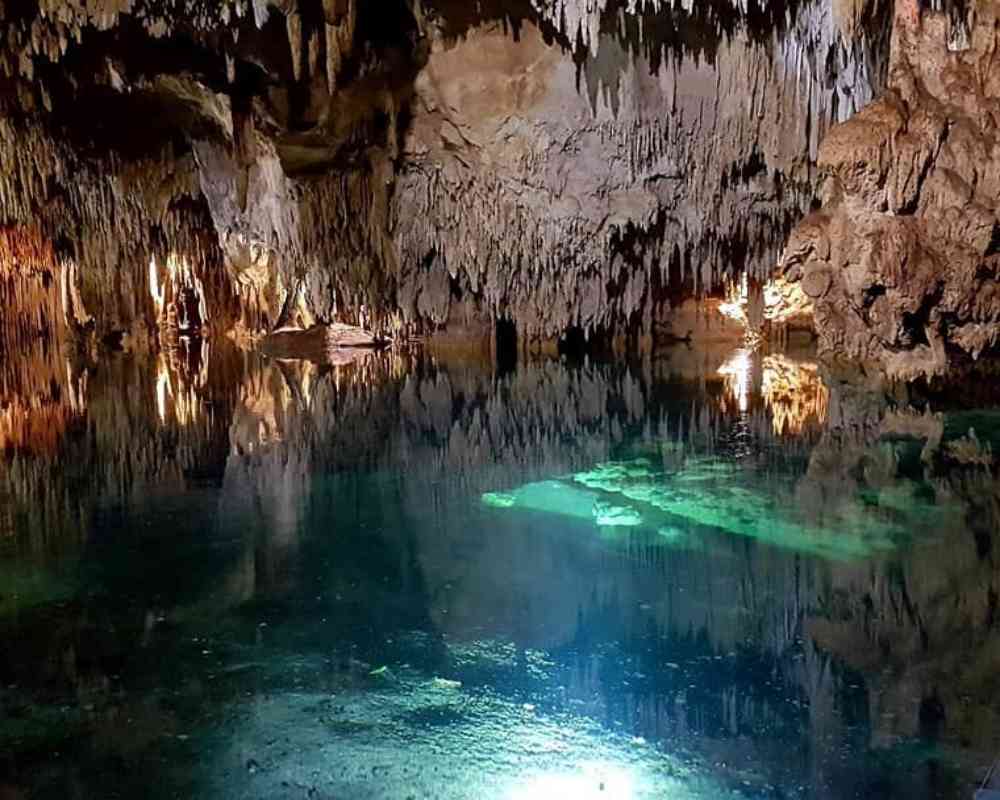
499,399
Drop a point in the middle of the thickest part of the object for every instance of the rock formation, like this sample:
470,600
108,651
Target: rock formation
902,258
561,165
586,194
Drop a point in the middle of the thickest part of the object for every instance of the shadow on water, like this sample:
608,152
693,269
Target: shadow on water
228,576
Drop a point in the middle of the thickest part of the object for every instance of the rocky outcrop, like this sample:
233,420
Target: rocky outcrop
902,258
560,165
325,344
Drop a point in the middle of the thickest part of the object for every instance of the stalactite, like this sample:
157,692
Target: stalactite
125,214
614,164
339,31
294,24
721,184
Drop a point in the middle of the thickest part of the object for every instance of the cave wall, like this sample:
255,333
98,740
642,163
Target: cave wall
399,167
588,191
902,256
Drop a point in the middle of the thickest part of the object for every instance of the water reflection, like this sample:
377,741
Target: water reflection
262,577
181,374
794,392
790,390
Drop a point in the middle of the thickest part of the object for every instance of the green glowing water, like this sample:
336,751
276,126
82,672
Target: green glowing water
708,493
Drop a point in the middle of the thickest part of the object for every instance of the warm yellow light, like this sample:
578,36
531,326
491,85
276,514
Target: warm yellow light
735,304
162,388
179,277
794,392
178,385
736,371
783,302
155,290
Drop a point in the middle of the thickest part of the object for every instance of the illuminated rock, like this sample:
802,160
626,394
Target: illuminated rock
794,392
902,257
714,494
324,344
499,499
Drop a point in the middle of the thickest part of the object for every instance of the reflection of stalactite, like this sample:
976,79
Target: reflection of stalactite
737,373
790,393
29,287
120,445
41,396
181,377
794,392
50,398
178,295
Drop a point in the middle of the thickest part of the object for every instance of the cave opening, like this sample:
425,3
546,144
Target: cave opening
180,305
577,343
574,343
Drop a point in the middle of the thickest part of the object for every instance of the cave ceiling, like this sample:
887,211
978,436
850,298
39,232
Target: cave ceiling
405,164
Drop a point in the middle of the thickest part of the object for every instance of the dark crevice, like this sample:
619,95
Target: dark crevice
506,344
872,293
916,323
993,248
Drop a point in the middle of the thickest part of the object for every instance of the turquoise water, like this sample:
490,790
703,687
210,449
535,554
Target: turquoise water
227,577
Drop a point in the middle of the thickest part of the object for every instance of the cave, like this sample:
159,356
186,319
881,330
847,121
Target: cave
510,399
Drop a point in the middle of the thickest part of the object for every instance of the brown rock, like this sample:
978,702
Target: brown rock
816,282
911,213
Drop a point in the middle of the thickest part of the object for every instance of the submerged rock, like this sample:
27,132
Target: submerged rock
499,500
612,516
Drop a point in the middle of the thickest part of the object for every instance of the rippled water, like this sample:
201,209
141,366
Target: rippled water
223,576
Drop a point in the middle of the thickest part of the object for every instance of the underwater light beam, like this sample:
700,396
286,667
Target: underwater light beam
597,781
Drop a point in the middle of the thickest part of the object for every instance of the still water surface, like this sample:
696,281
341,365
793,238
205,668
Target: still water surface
228,577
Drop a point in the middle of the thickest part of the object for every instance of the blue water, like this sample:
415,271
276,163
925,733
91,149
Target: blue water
227,577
